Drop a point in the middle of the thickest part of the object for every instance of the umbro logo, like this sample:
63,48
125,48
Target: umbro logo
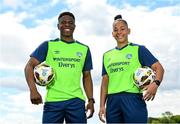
56,52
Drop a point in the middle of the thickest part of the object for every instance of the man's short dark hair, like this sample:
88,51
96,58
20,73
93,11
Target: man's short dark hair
66,13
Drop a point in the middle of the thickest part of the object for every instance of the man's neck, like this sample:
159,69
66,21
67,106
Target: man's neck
67,39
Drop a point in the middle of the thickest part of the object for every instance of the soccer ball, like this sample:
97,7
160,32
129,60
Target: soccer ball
143,76
43,74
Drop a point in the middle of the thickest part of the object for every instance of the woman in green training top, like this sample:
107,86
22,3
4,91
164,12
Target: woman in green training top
124,101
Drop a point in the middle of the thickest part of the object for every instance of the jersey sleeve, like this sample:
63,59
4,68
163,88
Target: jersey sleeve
104,72
88,61
146,58
40,52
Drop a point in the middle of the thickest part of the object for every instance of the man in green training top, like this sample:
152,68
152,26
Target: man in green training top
69,58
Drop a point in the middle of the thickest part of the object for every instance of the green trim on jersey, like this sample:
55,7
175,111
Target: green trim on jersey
67,60
120,66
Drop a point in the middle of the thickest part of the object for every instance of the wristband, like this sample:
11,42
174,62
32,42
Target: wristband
158,82
91,99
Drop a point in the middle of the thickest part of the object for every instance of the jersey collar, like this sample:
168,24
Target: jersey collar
122,47
69,42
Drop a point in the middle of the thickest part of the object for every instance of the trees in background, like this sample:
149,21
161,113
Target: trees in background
167,117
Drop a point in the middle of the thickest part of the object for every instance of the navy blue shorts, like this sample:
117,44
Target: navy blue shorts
126,108
72,111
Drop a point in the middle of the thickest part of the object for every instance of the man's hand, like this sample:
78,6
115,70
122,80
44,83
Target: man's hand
35,97
90,107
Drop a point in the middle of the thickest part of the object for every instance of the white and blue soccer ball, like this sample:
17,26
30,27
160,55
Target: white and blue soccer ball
143,76
43,74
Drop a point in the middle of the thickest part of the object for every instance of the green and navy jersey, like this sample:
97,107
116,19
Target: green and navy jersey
40,53
69,60
120,64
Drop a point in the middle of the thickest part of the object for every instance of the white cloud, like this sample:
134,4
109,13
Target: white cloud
94,17
17,109
14,82
16,3
17,41
54,2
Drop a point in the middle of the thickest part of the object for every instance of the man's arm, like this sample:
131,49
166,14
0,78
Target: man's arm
88,87
34,94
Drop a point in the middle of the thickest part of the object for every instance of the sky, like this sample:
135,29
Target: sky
25,24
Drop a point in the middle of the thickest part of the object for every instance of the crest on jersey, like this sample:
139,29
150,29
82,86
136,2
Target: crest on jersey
79,54
129,56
